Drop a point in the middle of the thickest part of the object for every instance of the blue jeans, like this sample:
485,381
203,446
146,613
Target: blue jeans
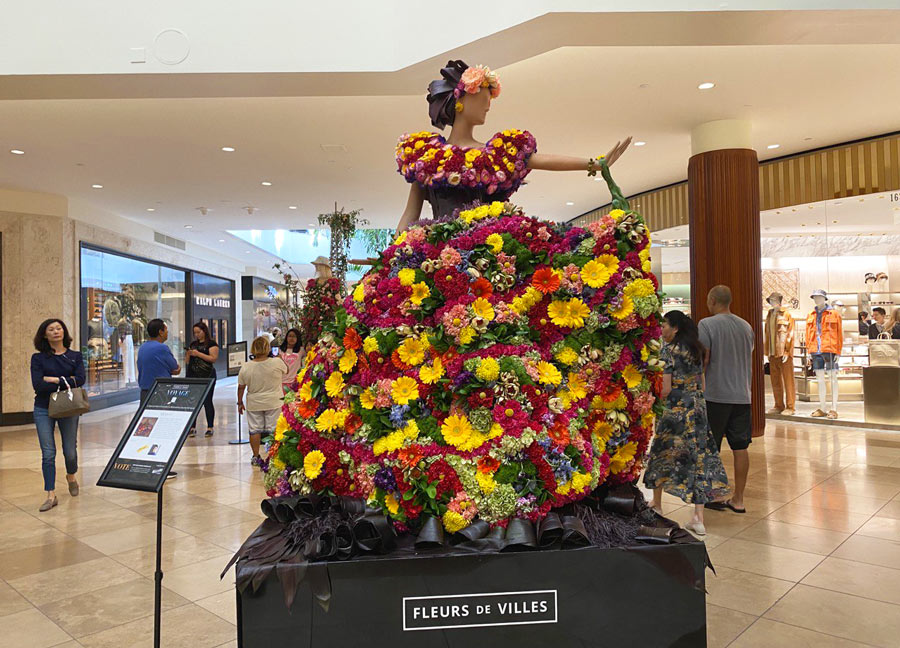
68,430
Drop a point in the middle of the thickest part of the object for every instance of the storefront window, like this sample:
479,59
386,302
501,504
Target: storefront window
119,296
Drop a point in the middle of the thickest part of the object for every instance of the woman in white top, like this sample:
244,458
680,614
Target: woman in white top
261,378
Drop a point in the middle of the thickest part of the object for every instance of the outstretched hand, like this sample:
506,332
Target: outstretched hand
616,151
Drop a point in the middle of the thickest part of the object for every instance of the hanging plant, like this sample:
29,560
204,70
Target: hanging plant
343,226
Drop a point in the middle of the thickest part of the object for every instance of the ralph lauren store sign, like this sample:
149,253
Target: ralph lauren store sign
478,610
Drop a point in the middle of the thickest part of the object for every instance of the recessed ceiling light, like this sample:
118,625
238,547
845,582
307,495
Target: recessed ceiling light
228,149
640,143
17,151
96,186
569,203
266,183
834,221
151,209
773,146
707,85
836,204
221,240
188,227
292,206
246,251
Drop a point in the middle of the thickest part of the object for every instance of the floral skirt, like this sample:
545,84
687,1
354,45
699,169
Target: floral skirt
684,460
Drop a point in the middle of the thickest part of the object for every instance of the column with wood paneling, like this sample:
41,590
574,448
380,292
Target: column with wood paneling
723,188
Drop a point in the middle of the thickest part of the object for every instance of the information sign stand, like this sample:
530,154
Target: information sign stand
237,356
148,449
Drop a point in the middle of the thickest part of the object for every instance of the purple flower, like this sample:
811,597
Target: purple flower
384,479
462,379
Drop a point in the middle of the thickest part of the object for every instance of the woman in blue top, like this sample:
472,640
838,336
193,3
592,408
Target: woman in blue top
53,363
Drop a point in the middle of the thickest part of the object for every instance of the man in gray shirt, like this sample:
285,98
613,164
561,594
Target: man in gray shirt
729,344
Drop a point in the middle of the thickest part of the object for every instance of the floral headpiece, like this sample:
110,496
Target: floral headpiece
456,79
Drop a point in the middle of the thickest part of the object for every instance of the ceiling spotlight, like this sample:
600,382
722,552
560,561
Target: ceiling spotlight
640,143
246,251
707,85
96,186
188,227
292,206
228,149
266,183
17,151
569,203
221,240
773,146
836,204
151,209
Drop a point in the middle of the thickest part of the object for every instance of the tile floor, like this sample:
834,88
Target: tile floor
814,562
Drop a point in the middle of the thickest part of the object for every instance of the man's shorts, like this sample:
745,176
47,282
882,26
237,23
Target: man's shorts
827,361
734,422
263,421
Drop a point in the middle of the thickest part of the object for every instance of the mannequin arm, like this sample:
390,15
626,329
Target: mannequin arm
547,162
413,207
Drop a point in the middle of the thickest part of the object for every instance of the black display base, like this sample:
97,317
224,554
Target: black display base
646,596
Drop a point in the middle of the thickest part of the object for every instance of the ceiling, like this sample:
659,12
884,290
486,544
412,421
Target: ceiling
165,154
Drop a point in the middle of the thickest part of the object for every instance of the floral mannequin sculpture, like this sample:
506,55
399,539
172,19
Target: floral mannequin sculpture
491,366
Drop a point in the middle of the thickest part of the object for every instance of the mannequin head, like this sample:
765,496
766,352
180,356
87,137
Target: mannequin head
775,300
475,108
462,96
819,298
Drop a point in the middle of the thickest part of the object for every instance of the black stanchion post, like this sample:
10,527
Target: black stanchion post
157,603
240,438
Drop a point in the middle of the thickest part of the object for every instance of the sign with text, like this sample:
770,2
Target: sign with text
155,435
237,356
478,610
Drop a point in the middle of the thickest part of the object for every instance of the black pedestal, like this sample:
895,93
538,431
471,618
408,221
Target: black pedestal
646,596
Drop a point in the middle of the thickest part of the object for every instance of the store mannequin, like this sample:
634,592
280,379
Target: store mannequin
824,342
780,351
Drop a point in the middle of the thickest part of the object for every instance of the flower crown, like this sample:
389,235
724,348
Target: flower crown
475,78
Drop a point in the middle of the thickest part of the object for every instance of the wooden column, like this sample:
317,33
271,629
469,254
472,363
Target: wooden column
723,191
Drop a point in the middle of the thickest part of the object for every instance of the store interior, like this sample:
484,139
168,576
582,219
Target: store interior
831,245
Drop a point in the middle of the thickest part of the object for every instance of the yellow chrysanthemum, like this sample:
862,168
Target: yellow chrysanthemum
391,504
483,309
313,463
454,522
348,361
564,489
496,208
617,214
400,240
420,292
475,441
645,353
632,376
496,242
644,256
640,288
548,374
359,293
626,309
334,386
648,419
281,427
466,335
567,356
488,369
486,482
580,481
495,431
412,351
621,459
367,399
456,430
431,374
404,389
577,386
411,431
305,392
407,276
329,420
370,344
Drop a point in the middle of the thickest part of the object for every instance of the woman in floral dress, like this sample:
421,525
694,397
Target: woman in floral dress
684,460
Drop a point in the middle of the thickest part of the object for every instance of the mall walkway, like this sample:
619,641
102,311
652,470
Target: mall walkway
815,562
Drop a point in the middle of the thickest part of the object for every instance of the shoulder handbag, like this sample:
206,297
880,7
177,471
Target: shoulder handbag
884,352
71,402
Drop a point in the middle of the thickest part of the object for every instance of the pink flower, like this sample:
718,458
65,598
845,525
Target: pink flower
473,78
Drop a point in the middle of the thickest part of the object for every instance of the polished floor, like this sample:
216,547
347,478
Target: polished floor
814,562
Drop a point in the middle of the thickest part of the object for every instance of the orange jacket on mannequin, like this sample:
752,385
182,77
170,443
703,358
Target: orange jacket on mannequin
832,336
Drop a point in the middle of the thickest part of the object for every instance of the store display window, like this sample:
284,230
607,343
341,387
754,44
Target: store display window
119,296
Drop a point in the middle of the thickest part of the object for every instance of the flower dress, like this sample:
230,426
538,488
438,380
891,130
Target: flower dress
684,460
490,366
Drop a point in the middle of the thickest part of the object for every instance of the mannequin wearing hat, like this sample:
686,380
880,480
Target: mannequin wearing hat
779,332
824,342
322,266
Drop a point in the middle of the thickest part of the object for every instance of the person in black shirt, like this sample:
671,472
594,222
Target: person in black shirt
877,326
864,324
53,366
200,359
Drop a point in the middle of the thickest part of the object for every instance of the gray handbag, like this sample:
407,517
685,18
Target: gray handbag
71,402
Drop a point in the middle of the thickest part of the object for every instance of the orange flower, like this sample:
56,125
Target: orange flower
410,456
487,465
482,288
352,340
545,280
560,434
352,424
612,393
308,408
395,359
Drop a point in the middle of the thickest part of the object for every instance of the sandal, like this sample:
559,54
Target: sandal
193,432
209,433
724,506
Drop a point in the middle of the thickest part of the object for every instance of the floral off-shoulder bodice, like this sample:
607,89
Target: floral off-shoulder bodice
453,176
